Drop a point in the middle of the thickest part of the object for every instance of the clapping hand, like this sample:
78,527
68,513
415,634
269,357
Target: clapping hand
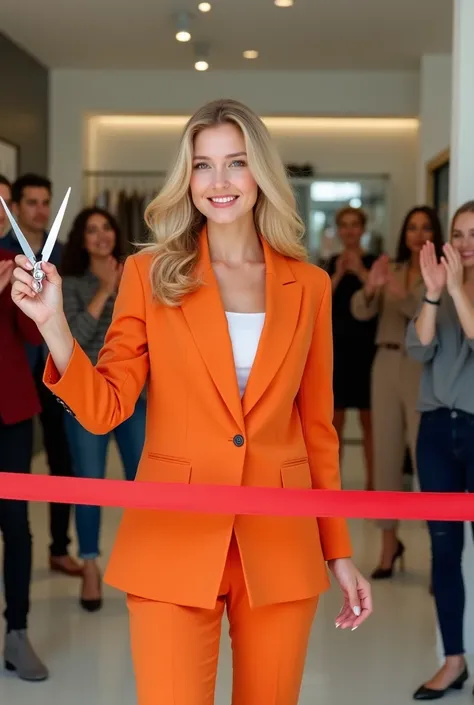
453,268
354,263
340,266
378,275
434,273
110,275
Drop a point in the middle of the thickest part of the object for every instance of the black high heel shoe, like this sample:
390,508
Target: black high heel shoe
425,693
385,573
94,604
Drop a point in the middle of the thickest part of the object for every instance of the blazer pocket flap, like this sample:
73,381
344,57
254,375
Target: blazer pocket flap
162,468
296,475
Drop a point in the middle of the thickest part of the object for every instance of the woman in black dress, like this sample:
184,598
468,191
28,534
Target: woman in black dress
354,341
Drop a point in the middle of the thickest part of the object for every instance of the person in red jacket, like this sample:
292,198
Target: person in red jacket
19,403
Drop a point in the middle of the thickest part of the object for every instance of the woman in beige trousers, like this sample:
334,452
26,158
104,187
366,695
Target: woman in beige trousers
394,293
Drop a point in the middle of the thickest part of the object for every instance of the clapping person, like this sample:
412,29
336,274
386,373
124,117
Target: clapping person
441,337
92,268
393,293
353,340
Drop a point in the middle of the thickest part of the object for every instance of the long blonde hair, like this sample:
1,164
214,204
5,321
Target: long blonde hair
176,223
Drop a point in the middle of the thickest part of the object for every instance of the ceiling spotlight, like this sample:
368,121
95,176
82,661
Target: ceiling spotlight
204,7
284,3
183,33
201,56
183,36
251,54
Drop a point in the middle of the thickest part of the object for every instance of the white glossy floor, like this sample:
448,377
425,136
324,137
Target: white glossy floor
380,664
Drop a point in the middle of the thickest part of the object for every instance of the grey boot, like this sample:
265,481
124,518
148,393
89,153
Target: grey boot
20,657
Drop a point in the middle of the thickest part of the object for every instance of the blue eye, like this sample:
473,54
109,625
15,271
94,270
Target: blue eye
200,165
239,162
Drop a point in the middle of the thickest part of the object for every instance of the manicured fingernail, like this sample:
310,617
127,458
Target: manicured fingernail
338,624
356,611
354,628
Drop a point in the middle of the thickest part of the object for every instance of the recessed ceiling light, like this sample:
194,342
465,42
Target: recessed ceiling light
183,21
204,7
201,65
251,54
283,3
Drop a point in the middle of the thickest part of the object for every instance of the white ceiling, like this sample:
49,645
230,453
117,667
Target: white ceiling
313,34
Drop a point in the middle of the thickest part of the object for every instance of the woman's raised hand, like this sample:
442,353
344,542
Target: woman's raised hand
452,264
40,307
432,271
378,275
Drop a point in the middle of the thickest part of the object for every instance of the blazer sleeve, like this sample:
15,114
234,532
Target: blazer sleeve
410,305
415,348
104,396
316,406
364,309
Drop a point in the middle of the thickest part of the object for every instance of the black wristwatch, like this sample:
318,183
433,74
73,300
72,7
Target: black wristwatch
430,301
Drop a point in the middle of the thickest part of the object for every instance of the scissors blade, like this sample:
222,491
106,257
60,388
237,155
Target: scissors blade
53,233
19,235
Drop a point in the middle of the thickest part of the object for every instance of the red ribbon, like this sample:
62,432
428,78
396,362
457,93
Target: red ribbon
213,499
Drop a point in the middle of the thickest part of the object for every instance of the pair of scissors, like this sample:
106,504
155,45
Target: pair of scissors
38,274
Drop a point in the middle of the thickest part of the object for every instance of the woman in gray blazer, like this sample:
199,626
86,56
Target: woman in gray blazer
442,337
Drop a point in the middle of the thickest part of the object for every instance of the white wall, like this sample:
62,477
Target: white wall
75,95
435,112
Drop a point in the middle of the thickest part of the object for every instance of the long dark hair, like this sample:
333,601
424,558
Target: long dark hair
403,252
75,258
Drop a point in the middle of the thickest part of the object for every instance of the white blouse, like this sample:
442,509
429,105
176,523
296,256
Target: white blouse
244,330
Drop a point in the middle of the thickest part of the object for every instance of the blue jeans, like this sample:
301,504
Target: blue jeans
445,458
89,458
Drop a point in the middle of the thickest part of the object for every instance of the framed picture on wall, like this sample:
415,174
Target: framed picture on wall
9,159
437,181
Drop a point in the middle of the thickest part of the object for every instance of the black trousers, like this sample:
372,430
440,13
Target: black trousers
59,460
16,448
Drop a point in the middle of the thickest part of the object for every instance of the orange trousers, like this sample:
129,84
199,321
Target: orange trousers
175,649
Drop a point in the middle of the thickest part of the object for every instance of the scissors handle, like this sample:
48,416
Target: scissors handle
38,276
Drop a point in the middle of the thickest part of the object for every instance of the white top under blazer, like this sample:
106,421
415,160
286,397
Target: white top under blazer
245,330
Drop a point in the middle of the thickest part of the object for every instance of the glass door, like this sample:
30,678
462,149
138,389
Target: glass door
319,200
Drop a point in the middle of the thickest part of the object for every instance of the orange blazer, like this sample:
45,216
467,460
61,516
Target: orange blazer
199,431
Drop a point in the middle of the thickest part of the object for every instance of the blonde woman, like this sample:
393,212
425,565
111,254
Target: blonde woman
233,328
441,338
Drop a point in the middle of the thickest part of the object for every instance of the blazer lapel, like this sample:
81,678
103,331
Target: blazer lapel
283,301
205,316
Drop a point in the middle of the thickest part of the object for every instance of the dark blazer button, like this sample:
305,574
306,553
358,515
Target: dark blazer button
238,440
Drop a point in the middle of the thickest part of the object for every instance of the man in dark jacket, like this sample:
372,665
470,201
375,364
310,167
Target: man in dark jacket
31,197
19,403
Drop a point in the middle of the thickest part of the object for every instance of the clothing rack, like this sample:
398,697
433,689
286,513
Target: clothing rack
125,194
